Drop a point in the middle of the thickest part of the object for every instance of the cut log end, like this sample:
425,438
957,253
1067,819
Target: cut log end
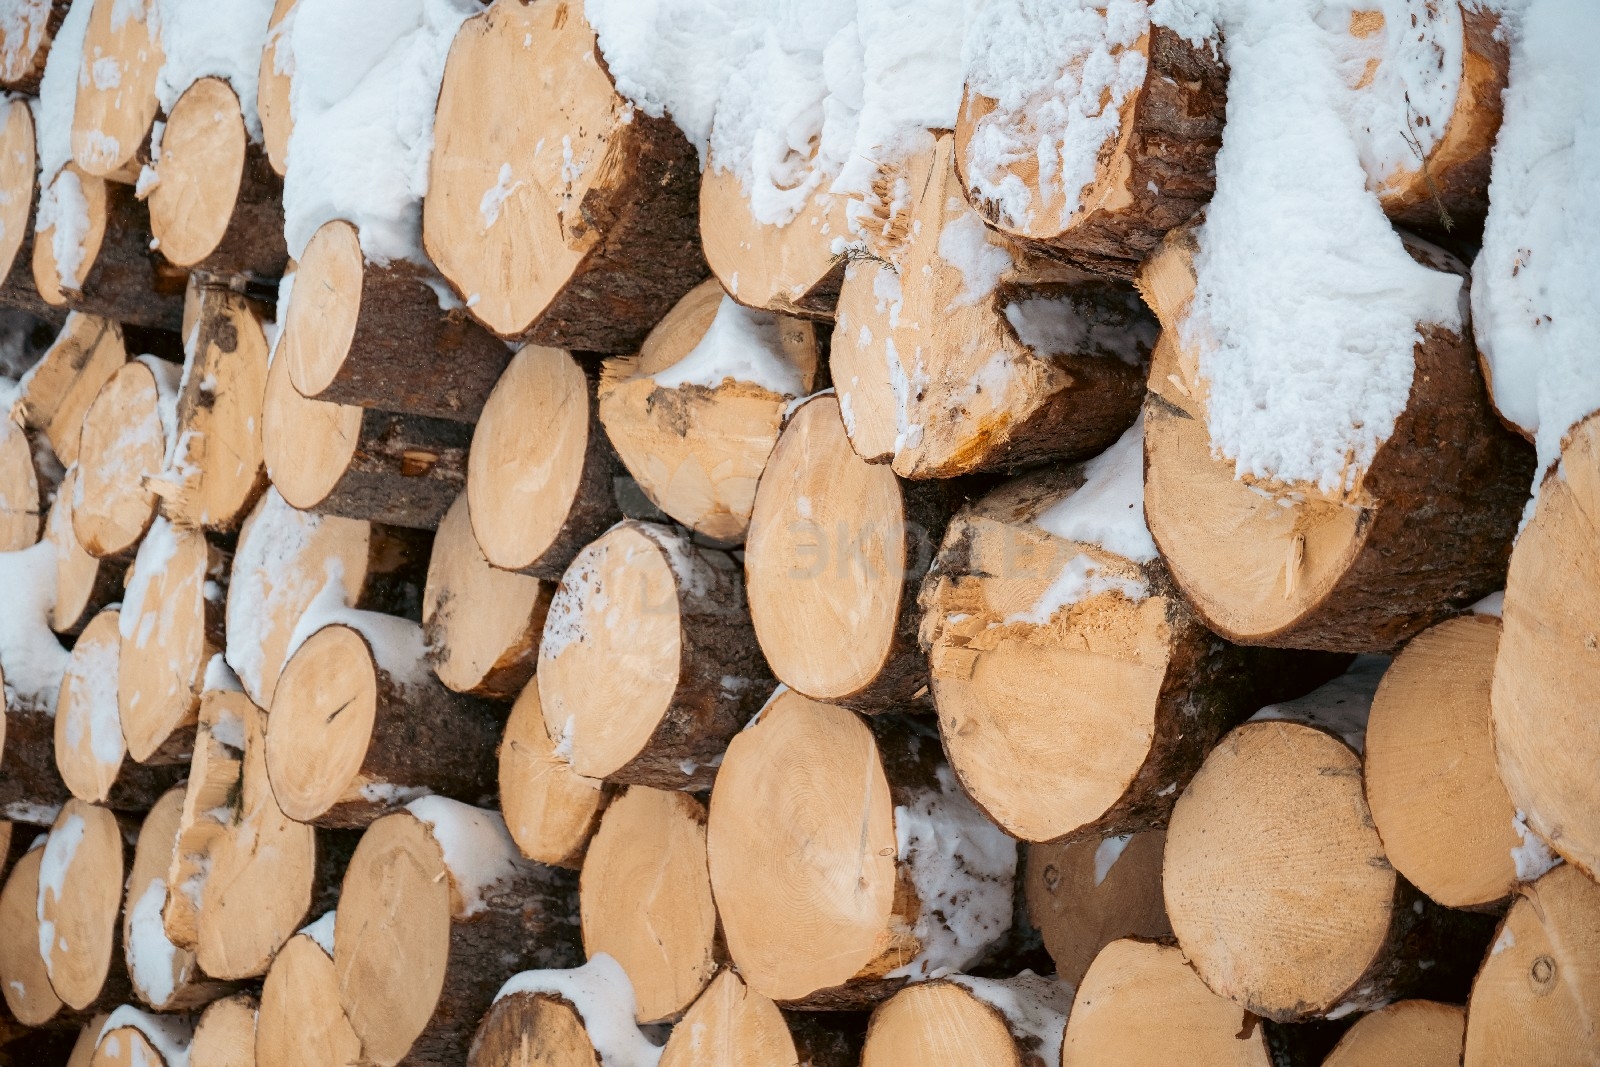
225,1034
113,115
123,445
272,91
790,268
80,895
89,742
533,1030
26,983
301,1021
1420,1032
959,1021
550,809
25,44
18,177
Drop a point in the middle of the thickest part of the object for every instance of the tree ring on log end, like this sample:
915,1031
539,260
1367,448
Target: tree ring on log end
200,167
322,716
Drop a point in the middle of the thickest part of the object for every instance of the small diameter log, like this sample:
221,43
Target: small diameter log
23,979
217,470
1423,1033
359,725
550,809
125,442
19,183
217,204
54,395
648,664
1142,1005
991,360
210,796
225,1034
568,218
933,878
696,413
1447,823
107,267
1426,530
1077,692
80,895
1087,893
958,1021
436,908
1544,675
541,476
359,332
164,976
29,476
1276,882
301,1021
835,555
113,115
1534,1001
789,267
25,42
171,624
646,901
272,87
89,747
133,1038
482,624
551,1018
1151,170
84,584
731,1023
360,463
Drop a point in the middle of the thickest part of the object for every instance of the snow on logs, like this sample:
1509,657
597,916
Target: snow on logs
372,333
731,1023
961,353
648,664
1368,556
1086,893
126,439
25,41
133,1038
696,413
117,102
568,221
550,809
1279,803
436,908
273,82
1054,576
956,1021
934,878
836,550
541,473
80,895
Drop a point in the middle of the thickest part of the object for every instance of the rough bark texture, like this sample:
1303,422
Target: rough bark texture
406,471
529,923
334,849
18,289
253,243
28,774
649,253
831,1039
27,81
128,282
408,354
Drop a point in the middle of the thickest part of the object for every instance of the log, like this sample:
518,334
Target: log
217,472
23,979
435,908
550,809
550,1017
1424,531
1544,742
29,476
164,976
85,585
80,894
56,392
171,625
1447,823
83,1049
1421,1032
1276,882
107,267
540,479
482,624
731,1023
1534,999
133,1038
25,44
696,413
1133,132
225,1033
645,899
1142,1005
301,1021
955,1021
965,354
834,558
360,463
89,748
216,204
112,117
1086,893
359,726
584,248
124,445
273,86
375,334
1077,692
31,789
19,182
210,796
647,664
790,267
777,838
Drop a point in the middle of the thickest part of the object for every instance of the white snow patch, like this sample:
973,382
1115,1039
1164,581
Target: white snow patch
60,848
156,553
30,655
1080,578
321,931
64,211
1532,857
1493,604
1034,1006
93,713
397,644
604,998
152,959
168,1034
495,197
1107,854
1341,706
478,849
58,90
1108,508
965,245
740,345
207,39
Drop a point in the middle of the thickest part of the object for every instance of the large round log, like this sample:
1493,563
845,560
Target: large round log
731,1023
300,1019
124,445
568,221
550,809
117,102
23,979
648,664
955,1021
80,895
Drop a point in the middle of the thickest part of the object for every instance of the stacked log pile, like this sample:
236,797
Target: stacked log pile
527,543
